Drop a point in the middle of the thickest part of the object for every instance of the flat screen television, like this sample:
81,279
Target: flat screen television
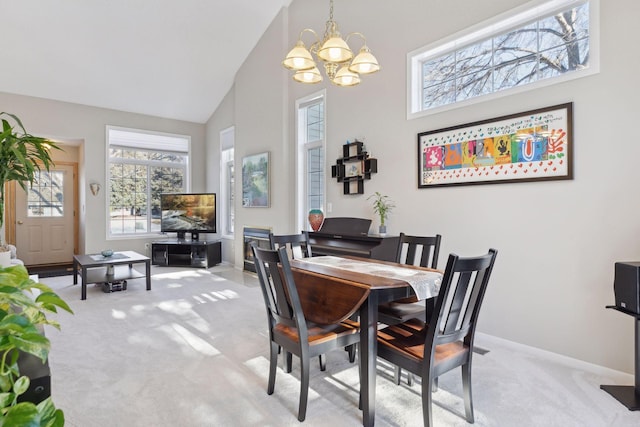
183,213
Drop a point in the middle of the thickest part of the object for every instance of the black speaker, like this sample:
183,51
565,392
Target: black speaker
626,286
39,375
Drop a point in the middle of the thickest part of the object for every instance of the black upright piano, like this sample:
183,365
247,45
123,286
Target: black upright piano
349,236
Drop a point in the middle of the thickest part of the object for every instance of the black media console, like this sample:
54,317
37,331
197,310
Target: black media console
186,253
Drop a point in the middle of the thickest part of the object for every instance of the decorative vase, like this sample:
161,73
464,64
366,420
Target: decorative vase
316,218
382,230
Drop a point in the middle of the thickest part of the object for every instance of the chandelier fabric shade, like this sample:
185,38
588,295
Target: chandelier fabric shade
340,66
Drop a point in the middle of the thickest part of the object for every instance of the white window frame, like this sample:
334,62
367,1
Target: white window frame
514,18
156,141
227,143
302,147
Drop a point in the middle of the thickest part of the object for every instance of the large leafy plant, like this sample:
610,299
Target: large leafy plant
24,305
22,156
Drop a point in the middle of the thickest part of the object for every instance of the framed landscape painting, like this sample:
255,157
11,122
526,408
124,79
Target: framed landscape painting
534,145
255,181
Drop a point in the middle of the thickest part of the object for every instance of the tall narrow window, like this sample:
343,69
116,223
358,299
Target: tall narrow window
311,156
142,165
227,180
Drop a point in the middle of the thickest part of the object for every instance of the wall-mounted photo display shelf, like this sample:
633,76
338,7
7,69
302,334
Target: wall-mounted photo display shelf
354,167
533,145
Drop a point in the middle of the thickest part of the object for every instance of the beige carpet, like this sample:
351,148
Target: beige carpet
193,351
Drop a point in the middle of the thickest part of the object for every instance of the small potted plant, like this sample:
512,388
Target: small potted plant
382,205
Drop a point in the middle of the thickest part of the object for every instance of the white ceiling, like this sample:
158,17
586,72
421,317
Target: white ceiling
174,59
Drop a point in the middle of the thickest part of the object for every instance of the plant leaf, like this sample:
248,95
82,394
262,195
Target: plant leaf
21,385
24,414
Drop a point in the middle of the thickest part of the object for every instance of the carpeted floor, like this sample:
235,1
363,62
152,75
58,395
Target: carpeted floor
193,351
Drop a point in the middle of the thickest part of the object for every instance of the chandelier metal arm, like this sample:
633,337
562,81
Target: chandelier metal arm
355,33
316,43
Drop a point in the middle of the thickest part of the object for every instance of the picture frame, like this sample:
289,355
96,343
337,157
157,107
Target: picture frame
353,169
534,145
255,180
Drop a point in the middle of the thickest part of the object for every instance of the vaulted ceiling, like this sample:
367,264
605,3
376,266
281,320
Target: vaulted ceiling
174,59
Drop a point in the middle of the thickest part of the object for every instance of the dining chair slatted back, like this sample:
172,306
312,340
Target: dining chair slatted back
297,244
288,327
446,341
282,305
409,247
428,247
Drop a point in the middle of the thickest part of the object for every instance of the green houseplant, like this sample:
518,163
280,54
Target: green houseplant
24,304
21,156
382,206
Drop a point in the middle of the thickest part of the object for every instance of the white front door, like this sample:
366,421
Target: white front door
45,218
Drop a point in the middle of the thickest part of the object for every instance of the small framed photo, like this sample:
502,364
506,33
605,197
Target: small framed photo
255,181
352,169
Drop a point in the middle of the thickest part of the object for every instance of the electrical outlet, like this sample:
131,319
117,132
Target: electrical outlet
147,246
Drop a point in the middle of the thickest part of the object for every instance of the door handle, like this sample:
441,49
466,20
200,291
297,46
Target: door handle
20,222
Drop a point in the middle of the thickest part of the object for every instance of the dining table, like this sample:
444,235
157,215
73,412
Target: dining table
332,289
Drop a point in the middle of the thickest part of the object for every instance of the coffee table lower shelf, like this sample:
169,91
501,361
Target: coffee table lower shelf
120,272
93,269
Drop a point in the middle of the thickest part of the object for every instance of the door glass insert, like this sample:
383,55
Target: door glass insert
46,195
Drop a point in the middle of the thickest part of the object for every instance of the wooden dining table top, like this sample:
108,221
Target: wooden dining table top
330,295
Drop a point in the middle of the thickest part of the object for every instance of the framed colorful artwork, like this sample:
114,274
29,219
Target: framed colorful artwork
255,181
534,145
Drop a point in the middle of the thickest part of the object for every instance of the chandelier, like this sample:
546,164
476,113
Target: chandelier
339,63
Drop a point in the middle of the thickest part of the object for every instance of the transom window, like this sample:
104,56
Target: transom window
537,43
142,165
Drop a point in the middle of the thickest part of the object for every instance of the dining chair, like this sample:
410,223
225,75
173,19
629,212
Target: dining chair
413,250
297,244
288,327
446,341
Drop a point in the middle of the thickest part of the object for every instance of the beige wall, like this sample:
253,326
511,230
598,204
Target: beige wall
557,241
86,126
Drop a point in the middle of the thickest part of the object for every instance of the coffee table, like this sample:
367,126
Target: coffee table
94,267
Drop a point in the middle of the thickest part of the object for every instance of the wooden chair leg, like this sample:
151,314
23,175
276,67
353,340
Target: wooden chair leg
304,388
273,365
409,379
466,391
288,361
352,353
427,384
323,362
396,375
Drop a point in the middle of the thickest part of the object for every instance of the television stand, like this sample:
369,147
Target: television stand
186,253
